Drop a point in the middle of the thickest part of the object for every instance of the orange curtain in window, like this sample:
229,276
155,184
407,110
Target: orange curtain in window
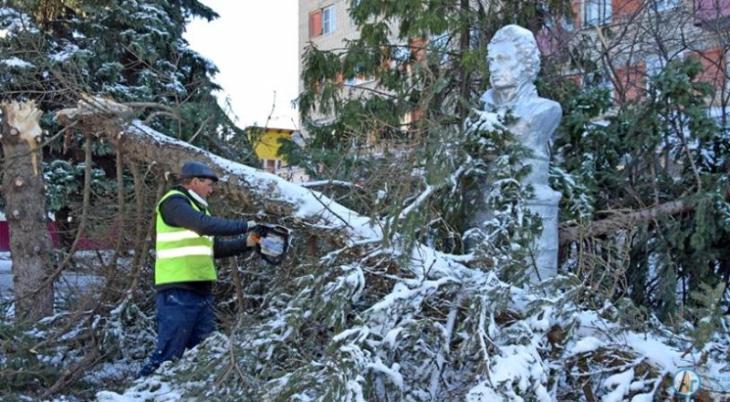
713,66
624,8
315,23
633,81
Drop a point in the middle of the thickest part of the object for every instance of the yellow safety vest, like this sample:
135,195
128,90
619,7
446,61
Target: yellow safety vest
182,255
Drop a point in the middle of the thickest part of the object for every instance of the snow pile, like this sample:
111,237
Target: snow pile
158,392
16,62
13,22
447,335
64,54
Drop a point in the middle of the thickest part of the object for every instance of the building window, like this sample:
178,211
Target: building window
328,20
322,21
596,12
721,116
599,79
272,165
654,65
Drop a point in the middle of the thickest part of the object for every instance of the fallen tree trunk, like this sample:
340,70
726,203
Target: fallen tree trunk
243,185
619,222
254,189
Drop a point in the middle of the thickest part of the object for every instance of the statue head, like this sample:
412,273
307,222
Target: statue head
513,58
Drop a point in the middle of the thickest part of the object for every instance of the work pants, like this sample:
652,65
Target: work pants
184,319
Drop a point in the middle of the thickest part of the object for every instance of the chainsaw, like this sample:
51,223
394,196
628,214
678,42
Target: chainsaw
272,242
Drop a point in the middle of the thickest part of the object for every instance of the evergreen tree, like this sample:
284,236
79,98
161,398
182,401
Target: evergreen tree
661,148
55,52
132,51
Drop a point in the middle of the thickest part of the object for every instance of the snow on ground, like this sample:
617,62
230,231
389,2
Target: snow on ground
587,344
158,392
68,283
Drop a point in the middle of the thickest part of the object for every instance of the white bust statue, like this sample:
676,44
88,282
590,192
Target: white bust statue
514,61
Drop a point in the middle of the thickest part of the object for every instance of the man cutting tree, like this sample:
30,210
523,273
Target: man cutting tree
187,241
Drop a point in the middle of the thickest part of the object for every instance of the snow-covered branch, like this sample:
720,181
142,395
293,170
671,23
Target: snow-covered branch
245,185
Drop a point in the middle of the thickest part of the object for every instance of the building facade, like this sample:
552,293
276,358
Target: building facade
628,40
325,24
266,143
632,40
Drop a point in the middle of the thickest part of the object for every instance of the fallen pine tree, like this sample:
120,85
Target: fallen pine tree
354,318
364,321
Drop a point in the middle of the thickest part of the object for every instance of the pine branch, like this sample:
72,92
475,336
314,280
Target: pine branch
574,232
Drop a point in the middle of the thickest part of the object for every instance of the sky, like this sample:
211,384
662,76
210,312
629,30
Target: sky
254,44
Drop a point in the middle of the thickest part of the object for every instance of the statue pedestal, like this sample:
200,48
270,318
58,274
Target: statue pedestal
545,248
544,204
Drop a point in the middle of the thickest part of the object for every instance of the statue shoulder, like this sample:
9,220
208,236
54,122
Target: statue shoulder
538,108
547,106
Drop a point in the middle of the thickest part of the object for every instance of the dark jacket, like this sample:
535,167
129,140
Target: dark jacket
177,210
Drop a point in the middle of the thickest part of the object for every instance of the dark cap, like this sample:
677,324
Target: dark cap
196,169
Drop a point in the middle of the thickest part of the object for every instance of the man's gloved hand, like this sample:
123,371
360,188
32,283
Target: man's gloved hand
252,235
252,239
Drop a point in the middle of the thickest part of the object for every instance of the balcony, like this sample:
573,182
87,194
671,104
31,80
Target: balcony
712,14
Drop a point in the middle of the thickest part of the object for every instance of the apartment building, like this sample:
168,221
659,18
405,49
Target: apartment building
631,40
326,24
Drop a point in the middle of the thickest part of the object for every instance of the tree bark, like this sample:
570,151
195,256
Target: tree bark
25,208
620,222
